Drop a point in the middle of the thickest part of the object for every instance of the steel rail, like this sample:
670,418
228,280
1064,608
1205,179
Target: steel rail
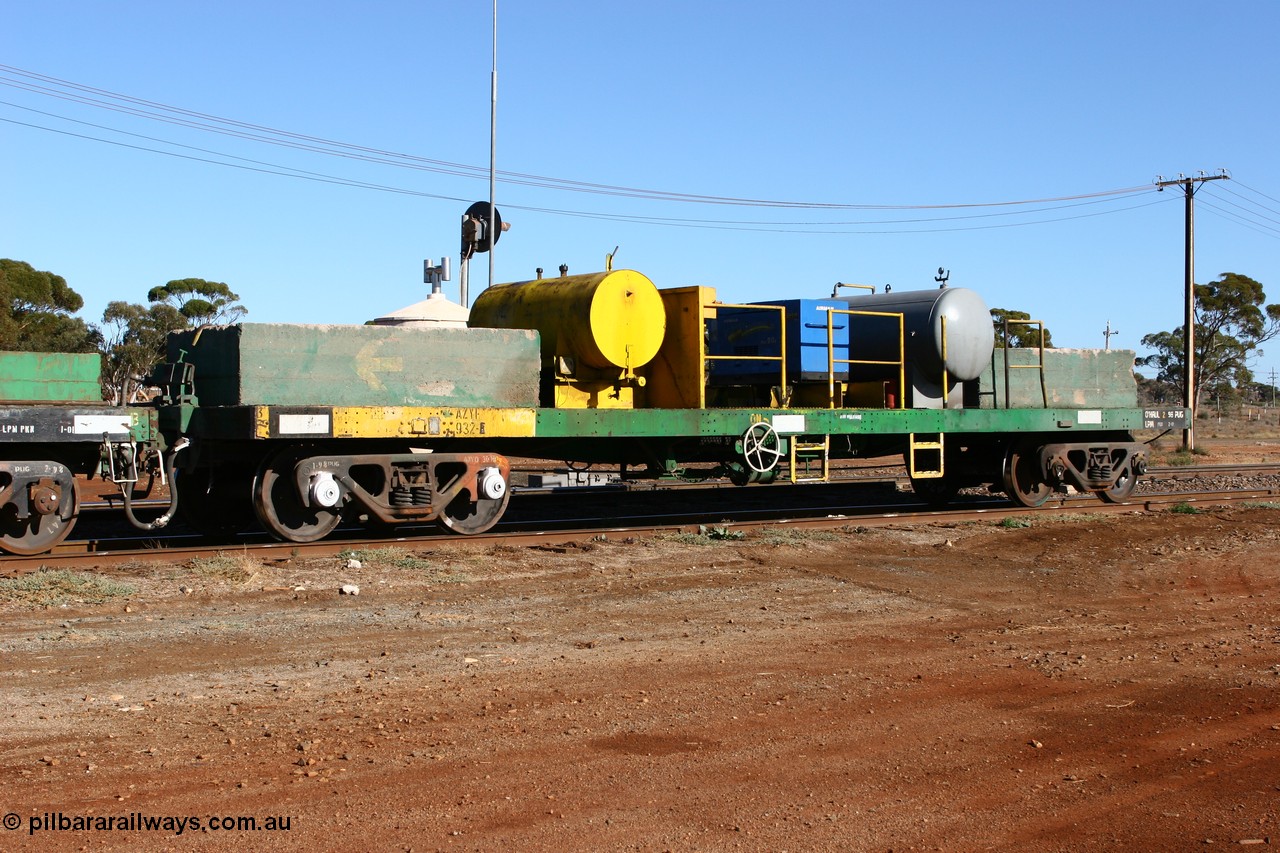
180,548
842,475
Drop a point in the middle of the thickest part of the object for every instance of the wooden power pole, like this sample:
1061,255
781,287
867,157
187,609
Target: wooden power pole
1189,187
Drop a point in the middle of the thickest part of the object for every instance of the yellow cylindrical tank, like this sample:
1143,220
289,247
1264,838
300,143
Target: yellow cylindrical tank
605,320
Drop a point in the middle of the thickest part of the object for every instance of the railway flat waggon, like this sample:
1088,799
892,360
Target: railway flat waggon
295,428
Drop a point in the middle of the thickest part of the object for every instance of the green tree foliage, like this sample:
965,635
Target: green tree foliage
1231,324
36,309
1262,392
1153,392
201,302
1020,334
134,336
133,344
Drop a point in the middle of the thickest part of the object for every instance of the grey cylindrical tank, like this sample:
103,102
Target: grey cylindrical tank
970,334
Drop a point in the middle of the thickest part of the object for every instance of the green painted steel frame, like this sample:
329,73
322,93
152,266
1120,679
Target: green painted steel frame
647,423
236,422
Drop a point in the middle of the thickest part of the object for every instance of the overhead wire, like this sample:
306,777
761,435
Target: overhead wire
264,167
284,171
1248,217
1229,191
260,166
1256,192
823,230
202,121
1252,225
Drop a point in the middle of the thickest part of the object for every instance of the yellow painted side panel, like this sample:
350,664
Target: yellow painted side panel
414,422
594,395
675,376
394,422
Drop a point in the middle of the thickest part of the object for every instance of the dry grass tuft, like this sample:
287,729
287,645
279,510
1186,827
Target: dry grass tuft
55,587
232,568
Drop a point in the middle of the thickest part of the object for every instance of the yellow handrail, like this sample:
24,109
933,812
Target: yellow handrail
1044,391
781,358
946,379
832,361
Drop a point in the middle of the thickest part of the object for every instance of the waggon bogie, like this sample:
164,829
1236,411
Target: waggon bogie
301,494
1107,466
1109,469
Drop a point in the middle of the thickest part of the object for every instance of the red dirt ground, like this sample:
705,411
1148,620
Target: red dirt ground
1094,683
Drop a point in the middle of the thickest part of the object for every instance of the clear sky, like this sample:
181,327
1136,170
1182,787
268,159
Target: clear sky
356,134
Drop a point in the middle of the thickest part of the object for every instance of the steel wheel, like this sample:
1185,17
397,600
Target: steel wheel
1023,482
217,505
467,516
1121,491
279,507
38,533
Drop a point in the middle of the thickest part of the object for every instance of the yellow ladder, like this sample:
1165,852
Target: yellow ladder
806,452
929,446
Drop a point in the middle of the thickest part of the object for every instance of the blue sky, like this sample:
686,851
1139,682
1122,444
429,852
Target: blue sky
827,106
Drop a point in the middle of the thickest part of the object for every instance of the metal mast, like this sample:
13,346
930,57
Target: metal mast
493,139
1108,333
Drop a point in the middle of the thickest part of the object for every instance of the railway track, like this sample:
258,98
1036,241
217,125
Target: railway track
580,514
1194,471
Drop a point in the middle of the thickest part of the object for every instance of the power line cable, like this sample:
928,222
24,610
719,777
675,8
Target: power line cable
1250,201
280,170
729,225
1240,220
650,221
1245,213
635,218
148,138
325,146
1257,192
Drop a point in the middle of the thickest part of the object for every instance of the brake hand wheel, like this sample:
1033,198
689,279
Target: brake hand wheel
760,445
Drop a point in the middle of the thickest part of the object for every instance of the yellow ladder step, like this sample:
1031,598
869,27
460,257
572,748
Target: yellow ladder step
807,451
928,446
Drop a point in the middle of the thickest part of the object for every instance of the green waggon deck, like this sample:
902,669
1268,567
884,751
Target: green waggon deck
238,423
646,423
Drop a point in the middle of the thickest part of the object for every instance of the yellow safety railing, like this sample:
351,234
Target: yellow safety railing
832,361
781,358
938,444
1044,391
946,377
